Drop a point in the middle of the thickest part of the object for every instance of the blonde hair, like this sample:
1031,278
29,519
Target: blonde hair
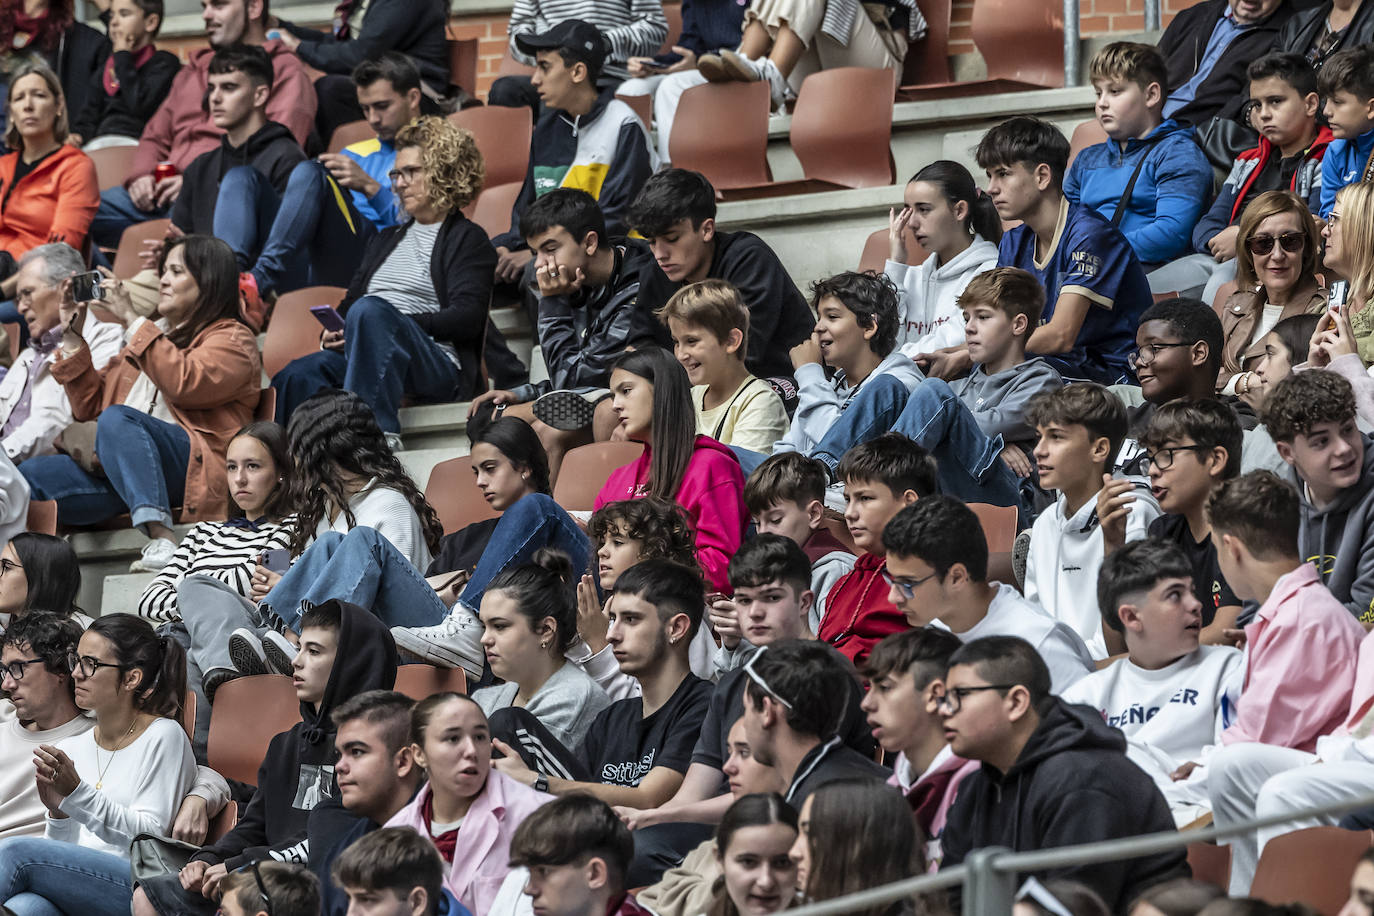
1128,60
1357,237
711,304
30,67
1275,203
449,155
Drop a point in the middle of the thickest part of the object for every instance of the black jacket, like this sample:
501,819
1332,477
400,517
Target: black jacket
273,151
141,91
1226,89
1072,784
413,27
80,52
297,773
1302,29
462,266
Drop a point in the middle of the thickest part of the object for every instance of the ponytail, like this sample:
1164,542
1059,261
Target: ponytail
159,659
956,184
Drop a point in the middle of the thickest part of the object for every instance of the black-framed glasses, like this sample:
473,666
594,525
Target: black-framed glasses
953,697
1138,357
1164,458
15,669
7,566
1291,242
89,665
907,587
408,172
757,679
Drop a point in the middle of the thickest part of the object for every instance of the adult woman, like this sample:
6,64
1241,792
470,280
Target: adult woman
466,805
1322,30
39,572
956,222
529,620
415,310
1333,347
1276,266
102,788
50,189
166,407
1349,235
48,28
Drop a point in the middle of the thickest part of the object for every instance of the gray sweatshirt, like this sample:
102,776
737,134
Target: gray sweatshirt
999,401
565,705
1339,538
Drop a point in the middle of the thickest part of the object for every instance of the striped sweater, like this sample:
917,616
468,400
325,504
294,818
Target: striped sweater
633,28
229,554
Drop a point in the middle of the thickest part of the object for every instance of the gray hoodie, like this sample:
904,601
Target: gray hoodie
999,401
1339,538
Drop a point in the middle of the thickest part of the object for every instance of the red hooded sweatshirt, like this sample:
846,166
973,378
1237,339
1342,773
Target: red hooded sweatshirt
712,492
857,612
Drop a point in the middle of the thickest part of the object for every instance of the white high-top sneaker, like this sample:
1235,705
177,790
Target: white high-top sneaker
454,642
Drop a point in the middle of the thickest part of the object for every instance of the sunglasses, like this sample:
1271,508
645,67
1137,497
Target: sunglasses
1291,242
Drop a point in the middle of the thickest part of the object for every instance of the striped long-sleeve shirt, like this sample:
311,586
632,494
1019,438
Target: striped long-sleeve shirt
212,549
633,28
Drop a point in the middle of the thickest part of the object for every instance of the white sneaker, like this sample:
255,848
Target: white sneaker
157,553
246,653
280,654
393,441
748,70
454,642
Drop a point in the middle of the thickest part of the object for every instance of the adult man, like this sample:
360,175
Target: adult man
1207,48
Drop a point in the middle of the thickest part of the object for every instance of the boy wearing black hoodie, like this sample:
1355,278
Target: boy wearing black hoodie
345,651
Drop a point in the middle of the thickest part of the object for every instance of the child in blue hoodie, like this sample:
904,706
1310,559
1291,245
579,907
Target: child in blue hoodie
1347,83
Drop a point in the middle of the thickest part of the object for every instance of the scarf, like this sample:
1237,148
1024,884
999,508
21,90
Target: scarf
341,14
245,523
108,78
446,842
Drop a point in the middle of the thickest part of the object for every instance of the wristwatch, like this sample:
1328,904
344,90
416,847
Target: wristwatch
541,782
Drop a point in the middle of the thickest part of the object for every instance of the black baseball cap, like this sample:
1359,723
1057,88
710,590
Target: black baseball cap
581,40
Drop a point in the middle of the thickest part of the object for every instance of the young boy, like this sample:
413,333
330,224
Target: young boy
937,575
1283,91
1081,427
395,872
1311,416
270,889
1170,696
1346,82
584,139
676,214
1094,285
786,495
710,328
132,82
1149,178
881,477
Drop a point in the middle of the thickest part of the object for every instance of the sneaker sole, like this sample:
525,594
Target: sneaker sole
216,679
250,660
277,658
565,410
712,69
432,654
737,69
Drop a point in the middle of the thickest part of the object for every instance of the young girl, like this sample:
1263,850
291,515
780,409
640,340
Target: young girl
39,572
957,223
752,843
124,777
1279,351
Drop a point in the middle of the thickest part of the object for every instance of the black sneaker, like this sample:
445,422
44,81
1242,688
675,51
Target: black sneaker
213,679
568,410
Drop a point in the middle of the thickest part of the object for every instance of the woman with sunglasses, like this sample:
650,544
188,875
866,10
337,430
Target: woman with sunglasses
125,776
1276,269
1349,235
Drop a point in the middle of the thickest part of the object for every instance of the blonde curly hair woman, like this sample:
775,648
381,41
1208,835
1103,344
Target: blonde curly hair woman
415,312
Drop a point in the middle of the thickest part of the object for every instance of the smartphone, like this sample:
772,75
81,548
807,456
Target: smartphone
655,65
278,559
328,316
86,287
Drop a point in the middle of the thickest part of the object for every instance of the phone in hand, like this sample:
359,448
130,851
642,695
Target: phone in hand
278,559
86,287
655,65
328,316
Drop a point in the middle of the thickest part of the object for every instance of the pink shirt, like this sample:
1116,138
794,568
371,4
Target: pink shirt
1300,660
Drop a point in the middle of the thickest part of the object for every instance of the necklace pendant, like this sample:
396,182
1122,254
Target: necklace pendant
99,785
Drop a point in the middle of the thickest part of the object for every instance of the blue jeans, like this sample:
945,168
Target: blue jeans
870,414
244,210
145,463
42,877
534,521
360,567
385,356
968,462
318,237
117,213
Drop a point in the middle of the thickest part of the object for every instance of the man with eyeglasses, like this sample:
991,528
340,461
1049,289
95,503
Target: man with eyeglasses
1053,774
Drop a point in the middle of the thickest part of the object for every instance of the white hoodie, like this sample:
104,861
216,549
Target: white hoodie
928,296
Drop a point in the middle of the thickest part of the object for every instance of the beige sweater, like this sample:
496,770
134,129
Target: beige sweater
688,889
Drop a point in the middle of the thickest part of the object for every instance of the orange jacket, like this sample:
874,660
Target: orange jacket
211,389
54,203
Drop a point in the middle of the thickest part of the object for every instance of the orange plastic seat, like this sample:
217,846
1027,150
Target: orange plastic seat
42,516
875,251
223,822
503,137
1211,863
248,713
114,165
347,134
721,130
492,208
509,66
420,681
842,127
642,105
585,471
128,257
1022,44
267,404
462,64
999,525
1089,133
927,60
452,491
292,331
1310,866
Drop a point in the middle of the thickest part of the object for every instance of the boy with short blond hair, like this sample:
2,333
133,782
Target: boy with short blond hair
1148,178
709,324
1346,82
395,872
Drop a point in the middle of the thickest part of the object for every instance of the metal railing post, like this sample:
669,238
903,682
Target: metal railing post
1153,16
1072,49
987,889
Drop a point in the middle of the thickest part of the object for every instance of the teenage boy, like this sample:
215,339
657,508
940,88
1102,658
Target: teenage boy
1148,177
1283,91
1170,696
1346,82
584,140
937,574
1081,426
1053,774
881,477
345,651
903,673
395,872
1311,416
270,889
1094,285
676,213
786,495
775,574
132,82
225,192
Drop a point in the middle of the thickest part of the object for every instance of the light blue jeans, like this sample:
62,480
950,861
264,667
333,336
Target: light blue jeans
534,521
42,877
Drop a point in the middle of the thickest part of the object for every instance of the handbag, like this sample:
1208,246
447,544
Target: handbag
152,856
1222,140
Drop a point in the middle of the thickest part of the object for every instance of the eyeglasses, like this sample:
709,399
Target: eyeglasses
906,587
15,669
1164,458
88,665
953,698
1291,242
265,897
7,565
409,173
763,685
1138,357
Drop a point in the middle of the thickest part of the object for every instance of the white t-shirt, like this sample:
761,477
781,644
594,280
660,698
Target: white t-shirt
21,813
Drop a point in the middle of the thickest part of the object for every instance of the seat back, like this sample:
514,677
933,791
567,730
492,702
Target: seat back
1226,291
503,136
420,681
267,404
114,165
999,525
673,13
128,259
875,251
509,66
42,516
1020,41
347,134
1087,134
842,126
721,130
247,714
585,470
293,332
492,208
462,63
1211,863
642,105
927,61
452,492
1310,866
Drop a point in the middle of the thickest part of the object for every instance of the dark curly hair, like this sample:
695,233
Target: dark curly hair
335,433
661,525
871,296
1303,400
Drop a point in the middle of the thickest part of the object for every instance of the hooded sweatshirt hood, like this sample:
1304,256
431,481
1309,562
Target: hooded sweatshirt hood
928,314
1336,537
366,660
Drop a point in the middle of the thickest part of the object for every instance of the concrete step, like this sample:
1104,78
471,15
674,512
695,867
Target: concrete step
122,591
